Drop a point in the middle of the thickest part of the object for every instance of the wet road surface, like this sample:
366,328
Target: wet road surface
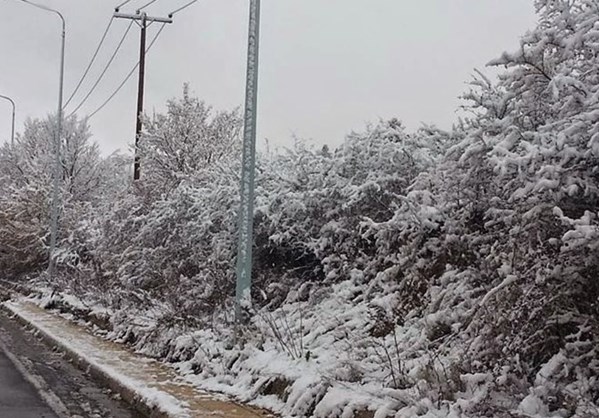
18,398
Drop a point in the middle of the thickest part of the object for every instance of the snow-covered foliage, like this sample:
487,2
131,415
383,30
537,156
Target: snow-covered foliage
187,138
178,249
531,157
433,274
316,210
27,171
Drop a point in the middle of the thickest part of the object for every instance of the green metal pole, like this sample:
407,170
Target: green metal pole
246,212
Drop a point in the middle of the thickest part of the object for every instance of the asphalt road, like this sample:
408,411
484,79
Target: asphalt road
18,398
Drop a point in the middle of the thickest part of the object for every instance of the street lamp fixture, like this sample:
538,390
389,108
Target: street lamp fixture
12,131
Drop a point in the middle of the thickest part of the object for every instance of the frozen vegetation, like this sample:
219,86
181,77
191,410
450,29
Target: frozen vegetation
404,274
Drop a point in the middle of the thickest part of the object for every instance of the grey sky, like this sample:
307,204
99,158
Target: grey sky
327,66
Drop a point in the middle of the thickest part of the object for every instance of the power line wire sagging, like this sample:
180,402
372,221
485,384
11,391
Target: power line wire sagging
89,66
182,7
146,5
104,70
122,4
128,75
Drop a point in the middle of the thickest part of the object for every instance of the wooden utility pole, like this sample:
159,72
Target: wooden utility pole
140,92
143,20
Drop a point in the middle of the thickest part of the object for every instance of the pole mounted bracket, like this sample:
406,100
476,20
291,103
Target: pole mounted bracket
142,16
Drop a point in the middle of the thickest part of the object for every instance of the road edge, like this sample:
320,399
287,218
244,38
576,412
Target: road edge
38,382
135,400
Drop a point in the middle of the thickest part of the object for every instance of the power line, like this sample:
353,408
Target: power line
146,5
128,75
121,5
90,63
104,71
182,7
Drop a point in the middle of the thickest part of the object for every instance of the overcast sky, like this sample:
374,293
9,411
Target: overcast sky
327,66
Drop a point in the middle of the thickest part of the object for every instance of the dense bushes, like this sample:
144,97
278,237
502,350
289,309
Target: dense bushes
26,169
459,263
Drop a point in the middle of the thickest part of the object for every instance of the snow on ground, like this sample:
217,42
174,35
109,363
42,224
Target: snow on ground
318,358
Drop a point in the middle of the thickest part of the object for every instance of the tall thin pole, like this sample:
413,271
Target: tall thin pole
140,94
12,131
246,212
57,144
143,20
12,126
57,140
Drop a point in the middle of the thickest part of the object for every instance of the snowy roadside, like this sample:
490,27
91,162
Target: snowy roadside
148,385
293,362
323,363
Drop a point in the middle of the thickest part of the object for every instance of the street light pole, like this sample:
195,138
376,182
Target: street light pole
57,141
12,131
246,212
56,188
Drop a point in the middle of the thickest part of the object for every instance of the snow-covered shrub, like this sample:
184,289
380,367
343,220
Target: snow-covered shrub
522,197
27,170
313,206
184,140
419,274
164,246
179,249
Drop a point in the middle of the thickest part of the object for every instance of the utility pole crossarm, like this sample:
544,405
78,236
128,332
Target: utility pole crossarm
142,16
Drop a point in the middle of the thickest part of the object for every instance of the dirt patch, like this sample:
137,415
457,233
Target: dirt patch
364,414
277,386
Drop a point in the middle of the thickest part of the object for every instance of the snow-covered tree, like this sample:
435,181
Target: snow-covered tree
524,185
313,205
457,268
27,169
184,140
171,236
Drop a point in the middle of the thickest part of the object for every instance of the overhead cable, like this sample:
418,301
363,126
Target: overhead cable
105,69
90,63
181,8
121,5
128,75
146,5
